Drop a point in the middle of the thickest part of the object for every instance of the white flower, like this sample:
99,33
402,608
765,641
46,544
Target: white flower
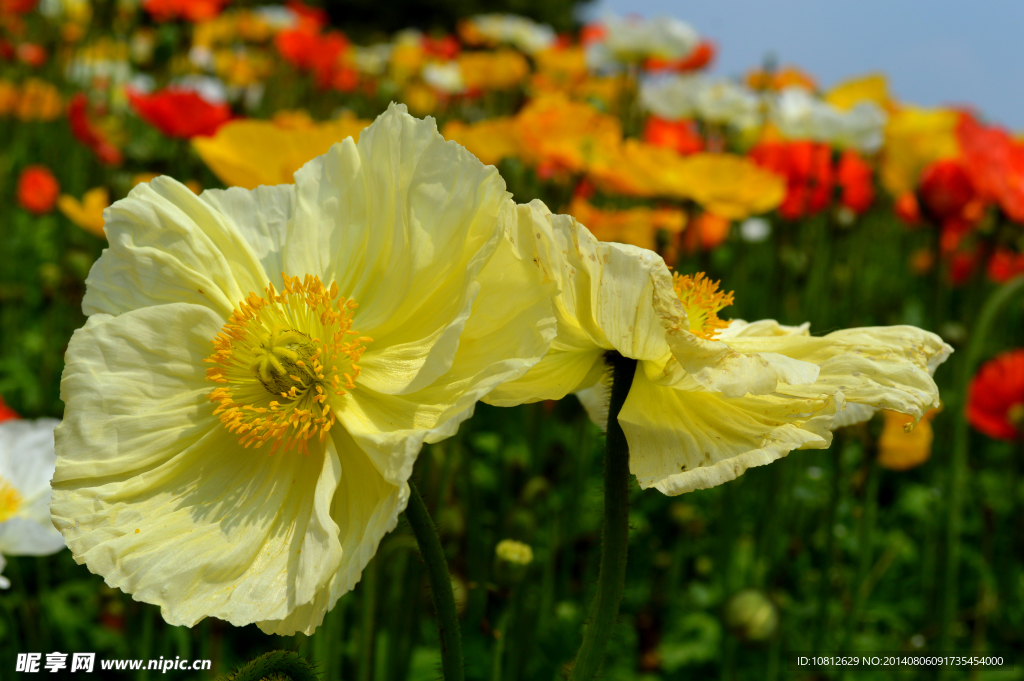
26,466
800,115
373,59
523,33
695,96
445,77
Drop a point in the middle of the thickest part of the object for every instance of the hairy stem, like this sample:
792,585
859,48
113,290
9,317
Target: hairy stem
615,537
440,585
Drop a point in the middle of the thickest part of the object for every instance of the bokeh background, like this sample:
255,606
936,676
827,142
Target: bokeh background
847,549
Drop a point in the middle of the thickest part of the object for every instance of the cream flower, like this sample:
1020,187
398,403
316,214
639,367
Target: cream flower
26,466
709,398
800,115
261,368
695,96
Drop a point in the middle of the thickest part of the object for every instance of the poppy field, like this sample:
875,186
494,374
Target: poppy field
498,350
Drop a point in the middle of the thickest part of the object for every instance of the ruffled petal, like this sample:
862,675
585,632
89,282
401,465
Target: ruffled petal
263,217
682,440
605,303
152,492
509,331
403,221
717,366
365,508
886,367
168,245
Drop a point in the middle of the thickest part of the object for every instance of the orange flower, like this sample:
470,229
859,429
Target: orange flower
787,76
706,232
900,449
498,70
636,226
307,49
682,136
995,402
37,189
489,140
907,209
563,134
701,57
31,54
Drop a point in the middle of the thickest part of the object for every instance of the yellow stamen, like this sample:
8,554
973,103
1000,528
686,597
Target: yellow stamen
702,300
10,500
271,357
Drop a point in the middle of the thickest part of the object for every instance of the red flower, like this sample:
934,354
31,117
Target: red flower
37,189
807,168
180,113
995,163
679,135
944,190
700,57
6,413
855,179
995,402
8,7
307,50
189,10
311,16
1005,265
445,48
86,133
961,267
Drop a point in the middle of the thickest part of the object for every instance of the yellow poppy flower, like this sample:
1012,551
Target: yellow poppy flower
498,70
729,186
87,213
873,88
914,138
900,449
260,369
249,153
489,140
709,398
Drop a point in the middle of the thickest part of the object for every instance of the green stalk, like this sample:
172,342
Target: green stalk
440,585
611,580
866,540
958,466
368,627
828,558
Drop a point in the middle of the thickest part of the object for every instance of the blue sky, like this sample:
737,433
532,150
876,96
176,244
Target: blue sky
934,51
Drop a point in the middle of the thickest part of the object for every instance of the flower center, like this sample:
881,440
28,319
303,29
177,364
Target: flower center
279,357
702,300
10,500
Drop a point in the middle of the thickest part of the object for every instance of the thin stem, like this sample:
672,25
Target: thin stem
958,466
866,541
368,626
615,537
440,585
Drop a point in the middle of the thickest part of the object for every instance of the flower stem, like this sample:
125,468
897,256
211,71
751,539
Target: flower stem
440,585
958,466
615,537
